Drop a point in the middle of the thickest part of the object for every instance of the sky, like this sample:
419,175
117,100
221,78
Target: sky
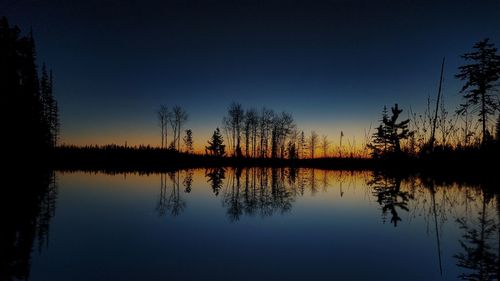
332,64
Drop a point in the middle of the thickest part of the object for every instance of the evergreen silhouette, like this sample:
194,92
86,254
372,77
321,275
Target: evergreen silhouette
480,78
387,138
188,141
216,146
30,117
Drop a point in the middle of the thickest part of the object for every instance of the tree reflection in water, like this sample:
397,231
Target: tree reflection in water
262,191
171,202
480,242
387,190
268,191
215,178
25,213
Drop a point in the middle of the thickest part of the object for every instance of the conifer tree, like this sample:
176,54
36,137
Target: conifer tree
480,77
388,135
216,144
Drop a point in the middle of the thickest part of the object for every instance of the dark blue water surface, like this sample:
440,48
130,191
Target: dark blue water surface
265,224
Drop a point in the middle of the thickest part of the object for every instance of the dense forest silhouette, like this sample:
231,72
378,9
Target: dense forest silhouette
30,117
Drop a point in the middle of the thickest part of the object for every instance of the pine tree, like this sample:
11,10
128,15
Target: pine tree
55,124
388,135
216,146
480,78
25,120
188,141
49,106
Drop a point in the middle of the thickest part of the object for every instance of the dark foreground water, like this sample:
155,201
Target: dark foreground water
251,224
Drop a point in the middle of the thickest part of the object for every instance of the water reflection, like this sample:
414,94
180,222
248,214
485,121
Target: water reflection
265,192
480,241
171,200
25,212
215,177
451,228
387,190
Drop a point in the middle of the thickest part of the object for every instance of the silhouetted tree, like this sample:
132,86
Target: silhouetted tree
233,125
265,126
292,145
179,117
324,145
480,78
313,142
282,126
302,145
292,150
164,116
188,141
251,126
29,118
387,137
49,105
215,145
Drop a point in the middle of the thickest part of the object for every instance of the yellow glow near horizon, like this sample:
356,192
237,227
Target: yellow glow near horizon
353,140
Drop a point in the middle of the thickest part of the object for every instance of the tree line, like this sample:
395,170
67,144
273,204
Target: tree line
249,133
30,115
264,133
480,77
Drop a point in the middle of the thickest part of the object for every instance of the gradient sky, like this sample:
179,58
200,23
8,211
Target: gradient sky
333,64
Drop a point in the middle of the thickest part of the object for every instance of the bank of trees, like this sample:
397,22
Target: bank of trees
471,126
260,133
265,133
30,115
176,118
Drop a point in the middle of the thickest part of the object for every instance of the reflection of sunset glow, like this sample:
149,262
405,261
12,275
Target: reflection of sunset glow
275,216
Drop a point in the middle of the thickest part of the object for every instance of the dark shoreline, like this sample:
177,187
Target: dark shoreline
475,166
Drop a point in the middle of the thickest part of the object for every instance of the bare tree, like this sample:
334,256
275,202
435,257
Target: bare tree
302,145
179,117
233,124
324,145
282,126
251,126
313,142
265,124
164,116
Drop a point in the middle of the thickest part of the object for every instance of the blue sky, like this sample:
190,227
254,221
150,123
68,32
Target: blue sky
333,64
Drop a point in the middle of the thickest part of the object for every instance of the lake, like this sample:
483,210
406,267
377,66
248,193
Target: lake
249,224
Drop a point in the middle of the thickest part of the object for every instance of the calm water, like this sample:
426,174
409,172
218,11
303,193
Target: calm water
257,224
